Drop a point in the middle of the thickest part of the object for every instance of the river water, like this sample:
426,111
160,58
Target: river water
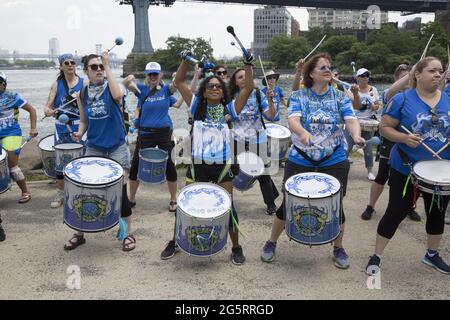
34,86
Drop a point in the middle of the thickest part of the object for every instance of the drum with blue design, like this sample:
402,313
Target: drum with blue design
92,193
279,140
313,206
203,214
66,152
46,147
5,179
152,165
251,166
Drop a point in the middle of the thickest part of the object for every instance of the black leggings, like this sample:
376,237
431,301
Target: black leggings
126,206
399,206
383,171
162,141
339,171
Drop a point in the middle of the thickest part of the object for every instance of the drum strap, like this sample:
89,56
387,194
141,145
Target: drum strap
315,163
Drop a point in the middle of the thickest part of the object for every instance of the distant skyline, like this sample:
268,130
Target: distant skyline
80,25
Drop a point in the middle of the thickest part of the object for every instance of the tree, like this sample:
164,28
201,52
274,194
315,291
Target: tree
336,44
285,51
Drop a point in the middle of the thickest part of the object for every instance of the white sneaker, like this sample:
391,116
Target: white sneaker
370,176
447,217
59,200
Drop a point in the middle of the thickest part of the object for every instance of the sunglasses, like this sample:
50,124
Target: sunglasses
365,75
325,68
211,86
94,67
271,77
152,74
68,63
221,73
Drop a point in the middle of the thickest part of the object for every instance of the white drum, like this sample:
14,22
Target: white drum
313,206
47,150
251,166
432,176
369,124
279,140
203,215
66,152
5,179
92,193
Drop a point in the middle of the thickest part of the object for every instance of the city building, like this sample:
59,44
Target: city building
268,22
342,19
412,25
98,49
53,48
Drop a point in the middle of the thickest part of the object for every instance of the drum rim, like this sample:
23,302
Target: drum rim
89,231
331,195
240,166
91,185
204,183
415,175
275,125
42,139
152,160
77,148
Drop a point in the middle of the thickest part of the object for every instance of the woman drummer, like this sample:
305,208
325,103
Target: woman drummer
366,104
212,110
249,132
278,95
101,117
316,116
64,90
154,126
11,133
424,111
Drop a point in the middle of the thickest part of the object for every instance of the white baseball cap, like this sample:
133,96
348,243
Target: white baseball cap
152,67
3,76
362,71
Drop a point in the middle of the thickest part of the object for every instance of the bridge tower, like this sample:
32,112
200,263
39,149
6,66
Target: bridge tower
142,41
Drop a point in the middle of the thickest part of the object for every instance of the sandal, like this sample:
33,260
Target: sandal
173,206
74,242
132,204
130,245
25,198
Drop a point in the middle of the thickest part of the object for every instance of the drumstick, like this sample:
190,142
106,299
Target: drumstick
264,73
423,143
442,149
62,106
311,52
424,53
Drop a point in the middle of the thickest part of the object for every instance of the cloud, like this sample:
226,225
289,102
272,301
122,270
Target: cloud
16,4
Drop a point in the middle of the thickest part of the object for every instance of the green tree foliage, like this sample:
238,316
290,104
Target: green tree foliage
284,51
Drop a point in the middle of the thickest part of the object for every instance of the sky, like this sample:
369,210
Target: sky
28,25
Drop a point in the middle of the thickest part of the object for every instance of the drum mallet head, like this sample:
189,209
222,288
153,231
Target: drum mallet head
63,118
118,42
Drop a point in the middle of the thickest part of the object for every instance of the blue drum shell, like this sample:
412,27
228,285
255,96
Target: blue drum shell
152,165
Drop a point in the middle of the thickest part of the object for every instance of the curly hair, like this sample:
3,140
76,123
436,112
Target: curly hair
200,113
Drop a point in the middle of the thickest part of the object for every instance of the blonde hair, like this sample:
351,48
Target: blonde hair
422,64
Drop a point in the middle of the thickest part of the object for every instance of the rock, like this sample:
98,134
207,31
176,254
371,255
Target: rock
30,156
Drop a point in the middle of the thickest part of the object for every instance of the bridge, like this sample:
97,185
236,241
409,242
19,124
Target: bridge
16,56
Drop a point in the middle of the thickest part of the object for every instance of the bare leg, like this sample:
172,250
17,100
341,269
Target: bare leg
338,241
13,160
380,244
134,185
433,241
375,192
173,190
277,229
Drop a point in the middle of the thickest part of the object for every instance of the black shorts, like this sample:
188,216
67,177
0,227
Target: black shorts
339,171
385,147
211,172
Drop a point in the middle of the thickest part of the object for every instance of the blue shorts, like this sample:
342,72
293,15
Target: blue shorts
121,154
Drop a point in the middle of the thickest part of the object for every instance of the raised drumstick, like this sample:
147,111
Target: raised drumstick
423,143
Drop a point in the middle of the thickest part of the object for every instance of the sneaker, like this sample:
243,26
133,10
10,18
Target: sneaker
2,233
268,254
447,217
367,214
370,176
170,250
271,210
340,258
237,256
414,216
373,266
437,263
59,200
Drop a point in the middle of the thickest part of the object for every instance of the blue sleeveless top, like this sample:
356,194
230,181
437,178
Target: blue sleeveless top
104,119
60,99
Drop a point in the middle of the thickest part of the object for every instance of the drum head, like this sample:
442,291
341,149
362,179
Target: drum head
47,143
250,163
69,146
433,171
277,131
313,185
93,170
204,200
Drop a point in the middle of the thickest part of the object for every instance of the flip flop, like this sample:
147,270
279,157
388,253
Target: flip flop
25,198
173,206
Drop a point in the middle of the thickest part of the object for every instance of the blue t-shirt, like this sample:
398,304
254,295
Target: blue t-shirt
211,137
9,113
248,123
60,99
416,116
277,98
155,108
447,90
323,116
104,119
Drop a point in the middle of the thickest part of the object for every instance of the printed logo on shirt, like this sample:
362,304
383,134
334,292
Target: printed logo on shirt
98,110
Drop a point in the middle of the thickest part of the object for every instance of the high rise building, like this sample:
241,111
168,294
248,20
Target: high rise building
98,49
53,48
342,19
269,22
